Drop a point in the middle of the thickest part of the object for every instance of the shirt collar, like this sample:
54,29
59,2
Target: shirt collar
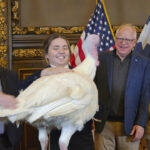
127,57
67,66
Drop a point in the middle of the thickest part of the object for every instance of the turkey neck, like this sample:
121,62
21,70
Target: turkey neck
87,67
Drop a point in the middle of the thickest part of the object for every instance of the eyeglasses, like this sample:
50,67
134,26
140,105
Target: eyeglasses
124,39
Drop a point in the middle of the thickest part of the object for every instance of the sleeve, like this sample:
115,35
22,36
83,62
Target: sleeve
25,83
13,132
142,115
103,96
10,82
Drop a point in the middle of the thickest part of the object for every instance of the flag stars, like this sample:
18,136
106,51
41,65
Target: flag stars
101,49
103,36
107,44
88,33
99,6
100,27
107,37
111,41
104,29
98,24
90,28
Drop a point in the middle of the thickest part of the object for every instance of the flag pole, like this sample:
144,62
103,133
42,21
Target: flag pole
108,18
96,2
98,24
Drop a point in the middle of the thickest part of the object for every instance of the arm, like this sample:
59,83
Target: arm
104,97
10,86
25,83
141,119
7,101
142,115
47,71
54,70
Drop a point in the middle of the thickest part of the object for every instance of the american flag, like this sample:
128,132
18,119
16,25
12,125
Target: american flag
98,24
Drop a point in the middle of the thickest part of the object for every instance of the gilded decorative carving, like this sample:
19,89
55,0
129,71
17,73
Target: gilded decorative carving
30,53
16,29
3,34
46,30
30,30
42,30
3,55
15,10
27,53
70,30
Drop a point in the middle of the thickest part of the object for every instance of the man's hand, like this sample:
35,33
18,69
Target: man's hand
54,70
137,132
7,101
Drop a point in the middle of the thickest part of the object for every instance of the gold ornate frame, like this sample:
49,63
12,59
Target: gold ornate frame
16,29
24,72
3,34
33,52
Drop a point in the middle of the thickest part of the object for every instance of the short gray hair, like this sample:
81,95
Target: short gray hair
130,26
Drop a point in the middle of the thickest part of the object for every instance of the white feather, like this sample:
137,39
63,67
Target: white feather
66,100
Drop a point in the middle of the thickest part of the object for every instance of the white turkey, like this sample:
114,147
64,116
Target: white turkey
65,101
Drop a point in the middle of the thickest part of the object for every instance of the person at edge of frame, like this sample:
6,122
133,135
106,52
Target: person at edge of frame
123,83
10,134
57,53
